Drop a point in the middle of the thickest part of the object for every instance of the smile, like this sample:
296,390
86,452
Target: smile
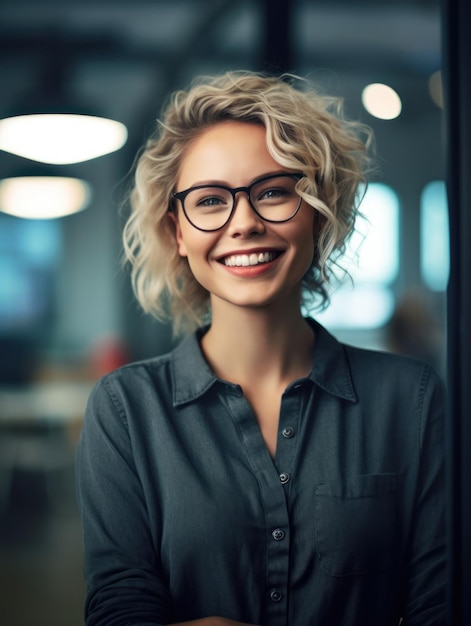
249,260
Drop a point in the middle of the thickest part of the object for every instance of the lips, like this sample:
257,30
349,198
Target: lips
250,259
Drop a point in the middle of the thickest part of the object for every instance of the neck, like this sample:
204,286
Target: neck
251,346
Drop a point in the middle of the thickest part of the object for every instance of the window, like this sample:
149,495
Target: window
372,261
434,236
29,251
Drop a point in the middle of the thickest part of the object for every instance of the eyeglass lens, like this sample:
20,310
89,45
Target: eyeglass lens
274,199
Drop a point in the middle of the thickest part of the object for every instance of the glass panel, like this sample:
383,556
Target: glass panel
361,306
373,250
29,252
372,260
434,236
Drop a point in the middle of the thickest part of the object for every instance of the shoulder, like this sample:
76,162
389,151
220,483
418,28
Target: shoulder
159,369
160,381
380,364
354,372
132,385
366,357
396,383
145,370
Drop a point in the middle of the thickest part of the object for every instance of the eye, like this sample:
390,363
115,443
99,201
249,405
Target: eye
208,198
210,201
273,193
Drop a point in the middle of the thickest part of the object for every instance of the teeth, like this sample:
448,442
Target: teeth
246,260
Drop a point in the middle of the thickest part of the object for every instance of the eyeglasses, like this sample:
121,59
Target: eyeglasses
210,207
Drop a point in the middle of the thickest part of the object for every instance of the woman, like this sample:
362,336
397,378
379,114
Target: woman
261,473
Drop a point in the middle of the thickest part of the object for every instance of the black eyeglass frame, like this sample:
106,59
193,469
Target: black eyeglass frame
181,195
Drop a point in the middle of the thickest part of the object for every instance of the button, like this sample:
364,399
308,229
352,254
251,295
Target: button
284,478
275,595
287,432
278,534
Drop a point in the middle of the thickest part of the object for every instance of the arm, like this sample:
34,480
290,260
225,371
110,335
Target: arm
124,584
425,601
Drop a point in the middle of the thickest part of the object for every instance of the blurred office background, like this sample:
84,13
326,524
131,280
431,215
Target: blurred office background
67,313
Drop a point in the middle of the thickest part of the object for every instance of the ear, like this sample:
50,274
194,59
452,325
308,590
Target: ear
178,235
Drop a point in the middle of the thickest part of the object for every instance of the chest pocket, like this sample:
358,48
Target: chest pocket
357,524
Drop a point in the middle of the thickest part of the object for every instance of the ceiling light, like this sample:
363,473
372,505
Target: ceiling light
43,197
61,139
381,101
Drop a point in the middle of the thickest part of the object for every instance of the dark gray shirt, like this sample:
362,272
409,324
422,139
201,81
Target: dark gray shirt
187,515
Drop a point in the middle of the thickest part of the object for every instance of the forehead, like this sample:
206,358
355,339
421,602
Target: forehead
231,133
232,152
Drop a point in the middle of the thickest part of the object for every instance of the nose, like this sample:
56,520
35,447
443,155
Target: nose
244,220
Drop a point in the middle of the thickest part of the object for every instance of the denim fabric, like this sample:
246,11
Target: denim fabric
187,515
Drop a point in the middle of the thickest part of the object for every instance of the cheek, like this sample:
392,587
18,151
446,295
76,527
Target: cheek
309,255
306,238
194,245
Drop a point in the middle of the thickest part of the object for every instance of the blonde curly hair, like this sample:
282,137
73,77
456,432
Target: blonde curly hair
305,131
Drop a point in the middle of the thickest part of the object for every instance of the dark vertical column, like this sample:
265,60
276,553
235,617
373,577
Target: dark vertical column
457,81
277,53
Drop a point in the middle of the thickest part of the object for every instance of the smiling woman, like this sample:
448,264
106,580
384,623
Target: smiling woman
279,230
262,472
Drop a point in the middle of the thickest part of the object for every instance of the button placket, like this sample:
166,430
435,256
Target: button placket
278,550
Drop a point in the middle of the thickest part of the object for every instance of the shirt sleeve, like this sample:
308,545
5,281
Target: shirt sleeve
120,561
426,576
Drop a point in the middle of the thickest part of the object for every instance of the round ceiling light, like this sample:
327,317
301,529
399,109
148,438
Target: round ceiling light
381,101
43,197
61,139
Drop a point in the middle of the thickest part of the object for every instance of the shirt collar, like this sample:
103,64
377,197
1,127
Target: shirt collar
192,375
331,369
